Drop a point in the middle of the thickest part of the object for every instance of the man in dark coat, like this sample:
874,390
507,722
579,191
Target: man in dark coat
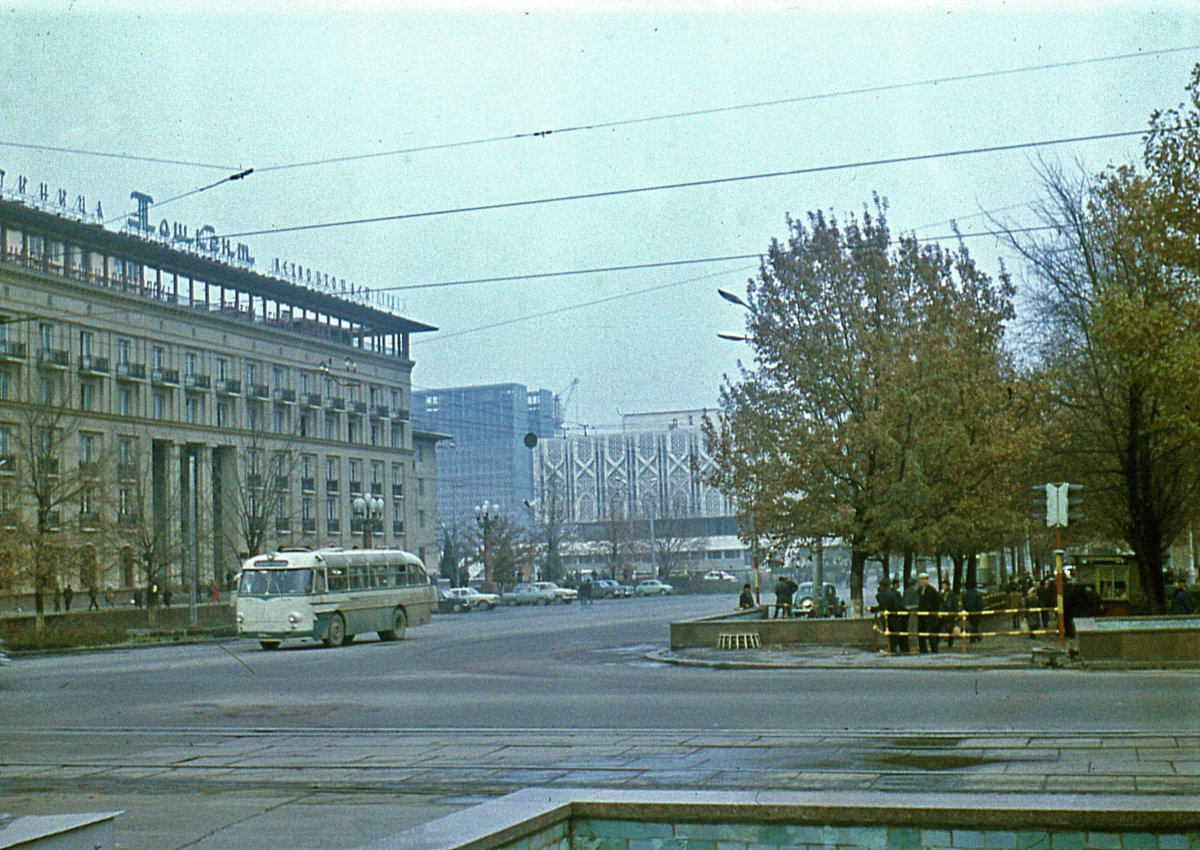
1181,603
972,602
784,588
898,620
929,603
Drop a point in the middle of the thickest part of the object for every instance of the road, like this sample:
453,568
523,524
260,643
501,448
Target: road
323,744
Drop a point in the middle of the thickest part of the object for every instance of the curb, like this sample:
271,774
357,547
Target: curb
667,657
14,654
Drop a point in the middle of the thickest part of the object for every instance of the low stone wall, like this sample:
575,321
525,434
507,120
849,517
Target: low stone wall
856,632
1139,641
177,617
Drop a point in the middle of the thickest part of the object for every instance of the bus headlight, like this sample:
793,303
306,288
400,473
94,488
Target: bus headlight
240,618
293,618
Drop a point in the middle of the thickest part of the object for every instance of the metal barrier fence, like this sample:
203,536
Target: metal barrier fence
965,625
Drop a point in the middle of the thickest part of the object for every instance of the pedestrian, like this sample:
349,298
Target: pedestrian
108,595
883,616
93,604
898,621
166,596
137,597
784,588
746,600
1181,603
973,604
57,599
1048,601
1032,618
1014,605
585,593
214,592
951,605
929,603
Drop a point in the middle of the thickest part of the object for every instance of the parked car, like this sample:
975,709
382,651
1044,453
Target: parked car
604,588
803,605
718,575
623,590
528,594
561,594
653,587
474,598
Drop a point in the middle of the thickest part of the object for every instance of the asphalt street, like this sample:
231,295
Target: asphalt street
224,745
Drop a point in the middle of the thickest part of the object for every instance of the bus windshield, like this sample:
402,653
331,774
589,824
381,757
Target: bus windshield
276,582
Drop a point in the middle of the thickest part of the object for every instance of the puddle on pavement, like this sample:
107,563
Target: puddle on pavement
933,761
631,656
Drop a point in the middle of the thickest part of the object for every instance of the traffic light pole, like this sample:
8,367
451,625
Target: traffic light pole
1058,581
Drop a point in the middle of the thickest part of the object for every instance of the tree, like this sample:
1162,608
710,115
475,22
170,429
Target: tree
549,515
262,473
615,533
54,473
842,429
1117,296
506,546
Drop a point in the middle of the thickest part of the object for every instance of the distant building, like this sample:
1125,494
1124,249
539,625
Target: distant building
646,481
486,457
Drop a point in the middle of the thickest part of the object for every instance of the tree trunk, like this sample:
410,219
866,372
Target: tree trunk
908,567
958,560
972,570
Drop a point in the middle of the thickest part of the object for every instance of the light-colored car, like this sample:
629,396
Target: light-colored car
528,594
473,598
718,575
653,587
561,594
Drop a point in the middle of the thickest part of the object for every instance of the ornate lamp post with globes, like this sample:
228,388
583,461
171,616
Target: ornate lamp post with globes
368,510
486,516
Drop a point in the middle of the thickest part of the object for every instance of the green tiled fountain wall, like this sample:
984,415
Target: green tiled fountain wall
597,834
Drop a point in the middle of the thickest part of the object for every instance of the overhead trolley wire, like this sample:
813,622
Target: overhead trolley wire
687,184
717,110
8,143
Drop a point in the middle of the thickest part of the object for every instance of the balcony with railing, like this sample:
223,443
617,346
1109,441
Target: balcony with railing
89,521
10,350
308,485
283,525
283,483
332,485
90,364
254,481
229,386
285,396
9,519
333,526
308,526
54,358
335,402
397,491
46,466
127,371
381,411
165,377
397,526
376,488
358,407
89,468
126,471
401,414
355,488
127,519
311,399
357,524
196,383
8,464
258,391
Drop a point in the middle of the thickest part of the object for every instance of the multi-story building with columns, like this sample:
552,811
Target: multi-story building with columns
155,387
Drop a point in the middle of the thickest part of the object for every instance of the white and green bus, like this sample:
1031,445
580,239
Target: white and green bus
332,594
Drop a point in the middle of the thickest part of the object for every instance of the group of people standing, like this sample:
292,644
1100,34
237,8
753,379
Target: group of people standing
937,614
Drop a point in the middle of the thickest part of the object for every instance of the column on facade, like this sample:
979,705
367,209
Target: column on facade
205,557
168,506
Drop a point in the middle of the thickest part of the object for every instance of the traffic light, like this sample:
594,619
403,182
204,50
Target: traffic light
1062,503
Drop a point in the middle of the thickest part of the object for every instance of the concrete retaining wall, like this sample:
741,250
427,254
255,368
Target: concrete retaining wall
1150,641
165,619
850,631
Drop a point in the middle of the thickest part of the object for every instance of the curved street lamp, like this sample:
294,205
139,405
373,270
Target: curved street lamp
486,516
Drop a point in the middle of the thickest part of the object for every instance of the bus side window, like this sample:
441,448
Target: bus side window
417,576
358,578
319,581
337,579
382,577
399,574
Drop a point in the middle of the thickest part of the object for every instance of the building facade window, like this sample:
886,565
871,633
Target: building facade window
124,401
159,406
124,349
223,414
87,396
191,410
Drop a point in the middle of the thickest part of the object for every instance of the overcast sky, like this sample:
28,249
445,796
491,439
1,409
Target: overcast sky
239,89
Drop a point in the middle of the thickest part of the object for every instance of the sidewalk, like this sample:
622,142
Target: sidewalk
1003,653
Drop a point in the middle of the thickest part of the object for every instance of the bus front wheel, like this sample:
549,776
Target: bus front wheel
399,624
337,631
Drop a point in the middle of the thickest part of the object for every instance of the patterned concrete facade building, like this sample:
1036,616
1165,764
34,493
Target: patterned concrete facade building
656,464
165,408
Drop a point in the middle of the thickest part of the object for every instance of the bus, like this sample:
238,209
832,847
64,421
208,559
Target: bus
332,595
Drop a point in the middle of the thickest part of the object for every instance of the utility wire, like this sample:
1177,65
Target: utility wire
717,110
582,305
715,181
110,155
241,175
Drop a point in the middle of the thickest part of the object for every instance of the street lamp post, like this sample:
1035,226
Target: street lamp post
367,510
486,516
